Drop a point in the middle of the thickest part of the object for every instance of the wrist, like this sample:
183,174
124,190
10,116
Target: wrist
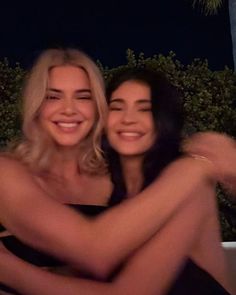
205,167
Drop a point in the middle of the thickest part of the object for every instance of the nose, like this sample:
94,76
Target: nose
69,107
129,117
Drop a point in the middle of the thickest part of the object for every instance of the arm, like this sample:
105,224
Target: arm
43,223
164,252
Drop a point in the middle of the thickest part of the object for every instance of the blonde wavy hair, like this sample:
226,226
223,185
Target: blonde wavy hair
36,148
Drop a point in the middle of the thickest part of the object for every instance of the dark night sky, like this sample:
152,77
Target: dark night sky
105,31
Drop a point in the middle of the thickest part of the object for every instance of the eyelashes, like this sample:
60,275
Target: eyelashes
51,97
55,97
121,109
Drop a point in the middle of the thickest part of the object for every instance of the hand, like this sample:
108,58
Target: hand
218,148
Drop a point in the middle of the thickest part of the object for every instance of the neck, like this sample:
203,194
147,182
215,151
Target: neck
64,163
132,172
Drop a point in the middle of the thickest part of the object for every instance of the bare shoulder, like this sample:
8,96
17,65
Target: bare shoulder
17,185
13,174
9,164
8,159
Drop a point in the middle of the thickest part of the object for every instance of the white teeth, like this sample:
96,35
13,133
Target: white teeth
67,125
131,134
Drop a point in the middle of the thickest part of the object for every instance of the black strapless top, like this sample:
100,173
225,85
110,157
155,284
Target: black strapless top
193,280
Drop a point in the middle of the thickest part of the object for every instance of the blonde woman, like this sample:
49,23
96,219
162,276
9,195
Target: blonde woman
59,162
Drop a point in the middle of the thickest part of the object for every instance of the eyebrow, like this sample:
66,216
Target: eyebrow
77,91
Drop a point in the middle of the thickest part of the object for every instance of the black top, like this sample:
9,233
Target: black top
193,280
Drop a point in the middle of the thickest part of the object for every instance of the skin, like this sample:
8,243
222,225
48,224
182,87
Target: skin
131,132
129,120
212,146
68,112
157,277
67,115
85,232
43,229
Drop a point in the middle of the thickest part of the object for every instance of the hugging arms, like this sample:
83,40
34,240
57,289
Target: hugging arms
116,245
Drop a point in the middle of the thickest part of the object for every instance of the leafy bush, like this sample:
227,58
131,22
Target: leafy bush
11,79
209,100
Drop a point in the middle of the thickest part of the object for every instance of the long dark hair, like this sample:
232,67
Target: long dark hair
168,121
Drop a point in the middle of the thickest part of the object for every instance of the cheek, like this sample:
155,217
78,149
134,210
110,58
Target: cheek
89,110
110,126
46,110
93,116
113,119
43,115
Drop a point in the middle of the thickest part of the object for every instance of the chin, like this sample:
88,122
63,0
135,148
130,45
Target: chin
67,143
131,153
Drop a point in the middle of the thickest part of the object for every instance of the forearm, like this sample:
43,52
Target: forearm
31,280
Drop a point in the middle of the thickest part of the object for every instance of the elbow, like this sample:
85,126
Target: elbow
100,265
99,254
102,269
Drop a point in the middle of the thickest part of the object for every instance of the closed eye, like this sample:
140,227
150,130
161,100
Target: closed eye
114,108
53,97
84,97
145,110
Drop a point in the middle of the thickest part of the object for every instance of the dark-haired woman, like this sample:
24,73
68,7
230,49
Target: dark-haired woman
144,133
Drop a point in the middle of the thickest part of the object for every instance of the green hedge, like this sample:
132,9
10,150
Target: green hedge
209,100
11,80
